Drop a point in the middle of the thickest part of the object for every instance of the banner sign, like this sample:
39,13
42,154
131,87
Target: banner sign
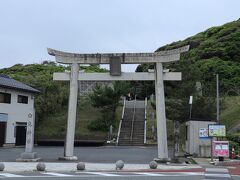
216,130
203,133
220,148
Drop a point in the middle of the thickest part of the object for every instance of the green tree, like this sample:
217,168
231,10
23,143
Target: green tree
107,99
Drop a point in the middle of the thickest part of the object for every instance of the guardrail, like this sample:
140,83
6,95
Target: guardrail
120,123
145,122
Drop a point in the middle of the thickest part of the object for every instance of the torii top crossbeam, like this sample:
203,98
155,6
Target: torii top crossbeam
126,58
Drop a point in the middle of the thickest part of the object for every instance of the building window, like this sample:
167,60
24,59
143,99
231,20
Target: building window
5,98
22,99
3,117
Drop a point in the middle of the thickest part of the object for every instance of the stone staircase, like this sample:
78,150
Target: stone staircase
137,138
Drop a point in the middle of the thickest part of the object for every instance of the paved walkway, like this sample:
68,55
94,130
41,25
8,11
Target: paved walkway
68,167
103,154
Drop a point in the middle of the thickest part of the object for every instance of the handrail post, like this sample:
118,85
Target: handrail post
145,122
133,116
120,123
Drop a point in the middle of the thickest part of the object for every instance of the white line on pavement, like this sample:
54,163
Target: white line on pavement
216,175
152,174
10,175
216,170
58,174
103,174
173,174
192,173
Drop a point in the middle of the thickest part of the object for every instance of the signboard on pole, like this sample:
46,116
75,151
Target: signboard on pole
190,99
203,133
220,148
216,130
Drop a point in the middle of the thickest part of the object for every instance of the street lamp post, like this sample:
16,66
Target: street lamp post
190,103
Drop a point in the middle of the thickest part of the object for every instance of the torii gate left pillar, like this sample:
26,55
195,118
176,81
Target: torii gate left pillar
72,111
125,58
160,114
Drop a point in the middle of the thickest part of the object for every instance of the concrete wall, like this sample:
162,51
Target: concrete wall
193,141
17,112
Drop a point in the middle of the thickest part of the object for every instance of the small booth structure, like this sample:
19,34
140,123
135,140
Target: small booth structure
197,141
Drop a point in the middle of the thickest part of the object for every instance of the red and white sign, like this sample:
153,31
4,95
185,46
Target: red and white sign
220,148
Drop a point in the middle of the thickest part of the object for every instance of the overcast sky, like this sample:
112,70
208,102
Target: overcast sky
28,27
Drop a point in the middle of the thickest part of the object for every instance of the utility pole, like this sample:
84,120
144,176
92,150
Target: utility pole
217,108
217,103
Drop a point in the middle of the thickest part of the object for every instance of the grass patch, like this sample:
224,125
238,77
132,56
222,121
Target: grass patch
54,126
192,161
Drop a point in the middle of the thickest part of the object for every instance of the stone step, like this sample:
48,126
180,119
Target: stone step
131,144
133,140
138,124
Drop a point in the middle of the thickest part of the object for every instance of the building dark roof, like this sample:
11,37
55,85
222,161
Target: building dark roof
9,83
201,119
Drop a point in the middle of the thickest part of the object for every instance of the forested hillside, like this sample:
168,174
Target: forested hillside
214,51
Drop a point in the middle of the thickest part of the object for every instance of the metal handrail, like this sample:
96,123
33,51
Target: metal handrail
120,123
119,130
145,106
145,122
133,119
124,104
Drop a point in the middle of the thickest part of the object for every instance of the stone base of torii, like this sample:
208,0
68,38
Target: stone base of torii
125,58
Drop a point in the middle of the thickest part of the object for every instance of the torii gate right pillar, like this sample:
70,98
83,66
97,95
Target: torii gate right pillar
160,114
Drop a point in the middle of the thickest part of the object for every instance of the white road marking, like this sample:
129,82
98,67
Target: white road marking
192,173
58,174
10,175
102,174
217,175
171,174
216,170
152,174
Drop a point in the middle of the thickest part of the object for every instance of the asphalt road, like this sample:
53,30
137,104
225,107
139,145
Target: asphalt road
118,178
103,154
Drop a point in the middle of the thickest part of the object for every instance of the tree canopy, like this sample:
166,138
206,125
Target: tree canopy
107,99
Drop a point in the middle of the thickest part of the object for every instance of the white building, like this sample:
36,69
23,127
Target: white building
16,110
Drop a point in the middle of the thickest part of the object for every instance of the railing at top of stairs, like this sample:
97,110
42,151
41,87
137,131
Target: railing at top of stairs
133,118
120,123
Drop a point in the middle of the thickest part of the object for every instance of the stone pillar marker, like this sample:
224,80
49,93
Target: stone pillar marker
29,155
72,110
160,114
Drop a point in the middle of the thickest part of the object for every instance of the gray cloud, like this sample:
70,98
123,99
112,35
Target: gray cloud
29,27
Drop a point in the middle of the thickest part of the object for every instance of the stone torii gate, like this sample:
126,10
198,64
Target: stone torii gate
115,75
